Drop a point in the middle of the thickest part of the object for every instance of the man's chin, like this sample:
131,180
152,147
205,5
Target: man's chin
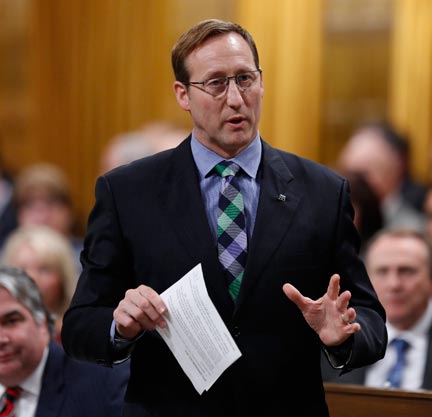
8,371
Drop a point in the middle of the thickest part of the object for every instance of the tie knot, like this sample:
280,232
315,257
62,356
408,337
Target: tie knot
227,168
12,393
400,345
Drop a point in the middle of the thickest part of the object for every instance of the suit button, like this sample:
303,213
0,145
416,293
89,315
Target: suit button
236,331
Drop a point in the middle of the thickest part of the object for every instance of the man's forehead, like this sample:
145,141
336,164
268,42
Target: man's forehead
220,47
9,304
398,249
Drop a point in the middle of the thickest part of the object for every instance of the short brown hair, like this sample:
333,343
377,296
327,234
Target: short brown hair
197,35
42,179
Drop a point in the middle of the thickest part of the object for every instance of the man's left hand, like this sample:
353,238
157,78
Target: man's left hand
330,315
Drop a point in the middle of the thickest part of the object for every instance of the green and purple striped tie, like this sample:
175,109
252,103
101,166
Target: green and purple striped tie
231,227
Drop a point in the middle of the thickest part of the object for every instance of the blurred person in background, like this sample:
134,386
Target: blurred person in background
48,258
129,146
399,263
379,153
42,197
427,210
37,379
7,209
367,213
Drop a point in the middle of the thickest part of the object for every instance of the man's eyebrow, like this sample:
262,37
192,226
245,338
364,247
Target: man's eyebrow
11,314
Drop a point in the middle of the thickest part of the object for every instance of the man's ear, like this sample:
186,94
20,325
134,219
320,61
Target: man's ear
181,93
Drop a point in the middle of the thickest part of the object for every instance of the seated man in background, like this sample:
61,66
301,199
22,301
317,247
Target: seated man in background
378,152
399,264
37,379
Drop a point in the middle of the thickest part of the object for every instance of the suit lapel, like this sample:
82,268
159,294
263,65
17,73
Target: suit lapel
50,400
182,203
277,205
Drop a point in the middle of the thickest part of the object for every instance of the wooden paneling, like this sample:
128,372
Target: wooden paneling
411,82
15,147
359,401
356,59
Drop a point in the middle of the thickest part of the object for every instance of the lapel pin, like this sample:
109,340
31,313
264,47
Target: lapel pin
281,197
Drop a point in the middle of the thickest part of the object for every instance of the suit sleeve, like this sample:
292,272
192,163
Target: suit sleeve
106,276
370,343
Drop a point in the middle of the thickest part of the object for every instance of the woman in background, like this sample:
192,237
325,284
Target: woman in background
47,256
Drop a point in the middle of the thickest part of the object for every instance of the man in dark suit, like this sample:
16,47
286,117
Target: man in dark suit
49,383
157,218
399,263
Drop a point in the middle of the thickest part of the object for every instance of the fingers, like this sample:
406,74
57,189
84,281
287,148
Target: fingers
341,300
333,287
353,328
141,309
151,301
348,316
295,296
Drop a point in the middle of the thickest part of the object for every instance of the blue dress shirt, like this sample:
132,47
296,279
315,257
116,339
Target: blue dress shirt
210,183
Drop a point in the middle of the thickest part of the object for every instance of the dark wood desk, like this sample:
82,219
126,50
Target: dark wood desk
359,401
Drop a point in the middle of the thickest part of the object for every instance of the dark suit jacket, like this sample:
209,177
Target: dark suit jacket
358,376
8,222
149,226
72,388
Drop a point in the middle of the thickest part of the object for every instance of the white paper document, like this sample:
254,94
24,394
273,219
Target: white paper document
196,334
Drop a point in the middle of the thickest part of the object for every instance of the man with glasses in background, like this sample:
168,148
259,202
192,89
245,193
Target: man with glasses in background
272,231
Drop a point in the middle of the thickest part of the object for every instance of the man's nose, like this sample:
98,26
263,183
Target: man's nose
4,338
393,280
234,97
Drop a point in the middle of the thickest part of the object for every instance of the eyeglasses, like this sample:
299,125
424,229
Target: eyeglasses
217,87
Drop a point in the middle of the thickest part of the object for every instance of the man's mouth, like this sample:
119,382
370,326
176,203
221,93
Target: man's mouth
4,358
236,120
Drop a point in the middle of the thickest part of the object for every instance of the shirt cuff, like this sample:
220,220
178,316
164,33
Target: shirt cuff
121,345
340,355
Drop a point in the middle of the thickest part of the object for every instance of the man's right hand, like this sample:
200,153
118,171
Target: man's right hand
141,309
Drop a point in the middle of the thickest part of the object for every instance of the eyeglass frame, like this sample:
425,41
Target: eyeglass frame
227,80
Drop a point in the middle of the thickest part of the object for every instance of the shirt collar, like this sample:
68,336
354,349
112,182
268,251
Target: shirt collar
34,382
419,329
248,159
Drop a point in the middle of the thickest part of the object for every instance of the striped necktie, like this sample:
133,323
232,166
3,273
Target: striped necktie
231,227
394,377
10,396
